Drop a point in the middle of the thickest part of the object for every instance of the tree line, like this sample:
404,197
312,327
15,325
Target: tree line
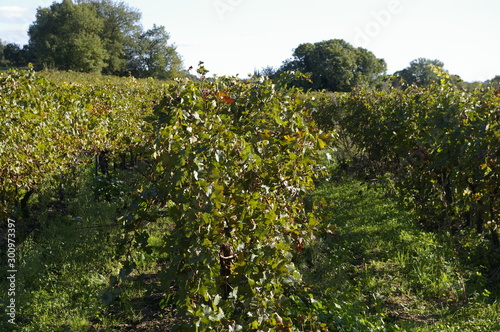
106,37
337,66
97,36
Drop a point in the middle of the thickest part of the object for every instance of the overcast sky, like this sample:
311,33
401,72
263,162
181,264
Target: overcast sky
237,36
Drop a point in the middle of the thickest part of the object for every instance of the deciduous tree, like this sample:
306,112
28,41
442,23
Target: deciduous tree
153,56
67,36
335,65
14,55
119,35
101,36
421,72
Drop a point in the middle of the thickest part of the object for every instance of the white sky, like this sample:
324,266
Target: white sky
237,36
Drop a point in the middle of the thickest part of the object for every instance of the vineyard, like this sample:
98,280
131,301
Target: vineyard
442,145
234,204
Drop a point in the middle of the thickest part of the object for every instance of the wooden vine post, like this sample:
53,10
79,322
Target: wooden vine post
226,258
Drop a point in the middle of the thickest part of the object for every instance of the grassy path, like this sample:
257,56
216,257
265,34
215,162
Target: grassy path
375,271
379,265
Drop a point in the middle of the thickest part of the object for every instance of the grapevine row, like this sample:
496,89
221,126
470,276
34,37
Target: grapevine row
47,129
441,145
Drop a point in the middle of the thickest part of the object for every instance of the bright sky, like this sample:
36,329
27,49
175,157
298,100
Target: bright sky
237,36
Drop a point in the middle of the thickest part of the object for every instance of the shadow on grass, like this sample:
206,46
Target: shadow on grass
138,308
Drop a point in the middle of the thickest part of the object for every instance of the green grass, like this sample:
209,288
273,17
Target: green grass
375,270
71,77
66,265
65,262
387,268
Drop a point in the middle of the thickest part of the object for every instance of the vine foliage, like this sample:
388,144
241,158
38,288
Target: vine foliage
230,165
441,144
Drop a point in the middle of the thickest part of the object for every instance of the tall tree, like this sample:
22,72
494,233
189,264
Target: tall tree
101,36
67,36
154,57
14,55
420,72
2,57
335,65
121,29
